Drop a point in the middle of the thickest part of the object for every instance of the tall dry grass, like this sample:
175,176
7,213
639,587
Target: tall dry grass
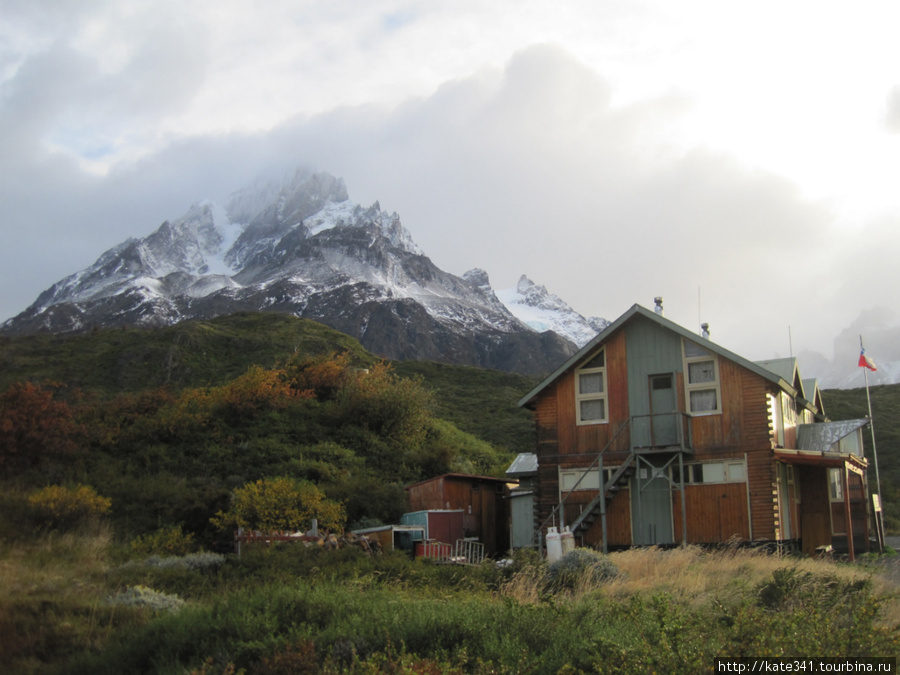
52,589
55,564
695,576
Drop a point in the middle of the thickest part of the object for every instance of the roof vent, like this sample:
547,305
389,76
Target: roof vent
704,330
658,309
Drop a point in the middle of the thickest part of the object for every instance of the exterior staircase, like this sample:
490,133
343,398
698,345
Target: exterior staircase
616,482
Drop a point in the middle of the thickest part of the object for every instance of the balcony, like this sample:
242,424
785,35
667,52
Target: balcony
661,433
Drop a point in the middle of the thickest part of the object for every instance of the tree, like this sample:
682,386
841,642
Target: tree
322,377
33,426
395,408
277,504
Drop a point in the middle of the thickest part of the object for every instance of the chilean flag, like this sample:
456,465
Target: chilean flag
865,361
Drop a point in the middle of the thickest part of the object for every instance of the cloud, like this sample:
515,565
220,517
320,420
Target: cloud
526,168
892,118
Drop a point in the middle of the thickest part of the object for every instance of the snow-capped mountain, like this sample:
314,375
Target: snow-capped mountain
536,307
299,245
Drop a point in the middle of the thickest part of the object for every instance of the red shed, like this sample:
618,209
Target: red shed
484,501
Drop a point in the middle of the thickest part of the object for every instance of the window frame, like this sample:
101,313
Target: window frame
713,385
602,395
702,473
835,488
570,475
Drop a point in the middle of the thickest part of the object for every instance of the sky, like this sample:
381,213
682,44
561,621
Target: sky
741,160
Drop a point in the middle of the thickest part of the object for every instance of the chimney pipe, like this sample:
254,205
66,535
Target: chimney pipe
704,330
658,309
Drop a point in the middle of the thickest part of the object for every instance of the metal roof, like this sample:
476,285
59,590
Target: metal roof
822,436
461,476
637,310
525,464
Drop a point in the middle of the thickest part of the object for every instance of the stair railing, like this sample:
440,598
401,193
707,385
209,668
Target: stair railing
604,489
558,507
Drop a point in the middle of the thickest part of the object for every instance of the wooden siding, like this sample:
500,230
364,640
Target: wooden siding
715,513
428,496
742,430
618,524
815,524
485,510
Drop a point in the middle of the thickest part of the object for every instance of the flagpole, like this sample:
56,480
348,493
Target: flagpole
879,524
872,429
871,425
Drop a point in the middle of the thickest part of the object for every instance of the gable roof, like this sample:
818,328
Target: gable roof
787,370
635,311
813,396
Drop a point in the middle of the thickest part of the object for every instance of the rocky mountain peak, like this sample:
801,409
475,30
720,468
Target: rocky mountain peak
478,278
295,243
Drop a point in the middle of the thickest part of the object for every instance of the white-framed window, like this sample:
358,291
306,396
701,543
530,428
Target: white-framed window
590,390
701,380
835,485
590,480
732,471
788,410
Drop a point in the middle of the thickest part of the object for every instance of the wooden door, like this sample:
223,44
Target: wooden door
663,410
651,506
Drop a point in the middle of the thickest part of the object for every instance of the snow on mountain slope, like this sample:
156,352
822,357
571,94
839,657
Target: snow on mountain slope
536,307
299,245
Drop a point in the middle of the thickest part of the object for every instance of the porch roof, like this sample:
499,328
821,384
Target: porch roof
824,435
817,458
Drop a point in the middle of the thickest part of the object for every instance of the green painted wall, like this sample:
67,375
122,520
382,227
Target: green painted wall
651,350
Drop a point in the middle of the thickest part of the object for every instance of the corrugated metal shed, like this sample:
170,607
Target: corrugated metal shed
820,437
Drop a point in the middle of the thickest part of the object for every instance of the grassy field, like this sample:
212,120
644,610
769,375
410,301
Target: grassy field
166,425
78,602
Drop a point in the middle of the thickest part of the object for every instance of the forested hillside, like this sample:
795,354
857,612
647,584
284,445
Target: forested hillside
167,423
125,456
843,404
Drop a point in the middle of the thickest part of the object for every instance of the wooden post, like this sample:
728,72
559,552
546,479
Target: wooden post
683,504
603,505
847,514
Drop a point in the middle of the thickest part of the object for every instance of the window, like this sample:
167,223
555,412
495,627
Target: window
788,410
590,480
590,390
701,379
711,472
835,485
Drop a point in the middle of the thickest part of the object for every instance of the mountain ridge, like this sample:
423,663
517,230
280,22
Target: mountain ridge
302,247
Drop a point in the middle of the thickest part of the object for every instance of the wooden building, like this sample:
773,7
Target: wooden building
484,501
654,435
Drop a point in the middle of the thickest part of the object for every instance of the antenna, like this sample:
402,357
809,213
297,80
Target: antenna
699,310
790,341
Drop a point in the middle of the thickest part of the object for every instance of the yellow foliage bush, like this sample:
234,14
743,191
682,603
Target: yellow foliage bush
62,507
277,504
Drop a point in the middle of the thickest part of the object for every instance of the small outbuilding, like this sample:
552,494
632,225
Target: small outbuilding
483,500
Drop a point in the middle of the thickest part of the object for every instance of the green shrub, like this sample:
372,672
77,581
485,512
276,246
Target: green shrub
581,566
169,541
59,507
145,597
192,561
